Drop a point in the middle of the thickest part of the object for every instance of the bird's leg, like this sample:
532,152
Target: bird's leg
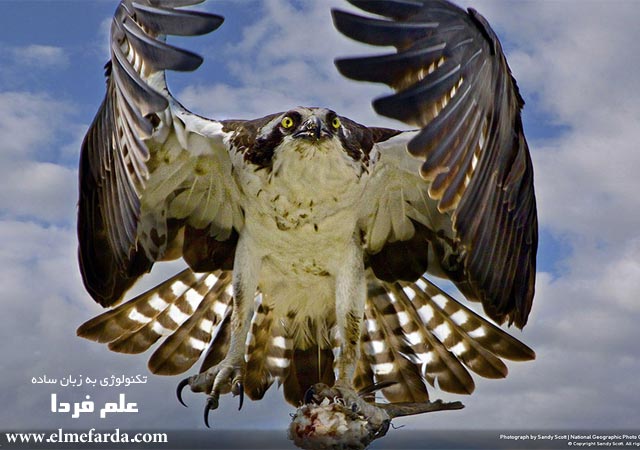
342,398
350,297
228,375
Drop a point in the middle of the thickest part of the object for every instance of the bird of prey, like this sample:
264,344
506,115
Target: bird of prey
312,240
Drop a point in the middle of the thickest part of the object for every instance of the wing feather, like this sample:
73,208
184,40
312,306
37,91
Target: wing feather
489,336
416,333
189,308
452,80
137,155
134,315
210,308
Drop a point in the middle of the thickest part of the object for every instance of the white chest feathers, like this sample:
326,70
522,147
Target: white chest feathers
307,183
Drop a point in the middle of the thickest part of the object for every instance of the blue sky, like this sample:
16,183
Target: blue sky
577,65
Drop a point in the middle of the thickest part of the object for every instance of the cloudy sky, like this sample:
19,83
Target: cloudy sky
577,64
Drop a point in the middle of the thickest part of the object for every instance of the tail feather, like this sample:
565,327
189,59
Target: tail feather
308,367
219,345
280,351
258,378
364,377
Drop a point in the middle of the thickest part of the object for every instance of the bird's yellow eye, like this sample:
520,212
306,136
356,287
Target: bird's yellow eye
336,123
287,122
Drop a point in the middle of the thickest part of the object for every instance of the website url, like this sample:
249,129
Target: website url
91,436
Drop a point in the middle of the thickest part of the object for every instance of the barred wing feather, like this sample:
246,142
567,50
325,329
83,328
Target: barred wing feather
144,150
451,80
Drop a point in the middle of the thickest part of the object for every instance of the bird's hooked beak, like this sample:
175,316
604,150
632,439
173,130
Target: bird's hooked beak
313,129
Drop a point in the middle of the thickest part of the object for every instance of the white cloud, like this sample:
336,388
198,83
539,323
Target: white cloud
234,103
101,44
28,121
24,61
574,64
41,190
40,56
284,60
34,186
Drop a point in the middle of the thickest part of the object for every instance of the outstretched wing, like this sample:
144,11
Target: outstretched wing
462,196
152,174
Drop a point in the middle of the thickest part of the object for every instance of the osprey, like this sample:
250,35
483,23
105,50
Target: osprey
309,237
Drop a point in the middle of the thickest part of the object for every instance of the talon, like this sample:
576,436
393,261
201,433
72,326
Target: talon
180,388
383,429
309,395
211,404
238,389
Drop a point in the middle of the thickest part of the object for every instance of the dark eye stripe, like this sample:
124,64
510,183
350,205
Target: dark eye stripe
260,152
329,118
295,116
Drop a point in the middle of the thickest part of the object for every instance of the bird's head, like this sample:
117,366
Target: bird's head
311,124
312,132
309,127
308,133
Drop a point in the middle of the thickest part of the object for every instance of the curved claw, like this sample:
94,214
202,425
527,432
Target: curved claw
308,396
241,394
184,383
383,429
208,407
